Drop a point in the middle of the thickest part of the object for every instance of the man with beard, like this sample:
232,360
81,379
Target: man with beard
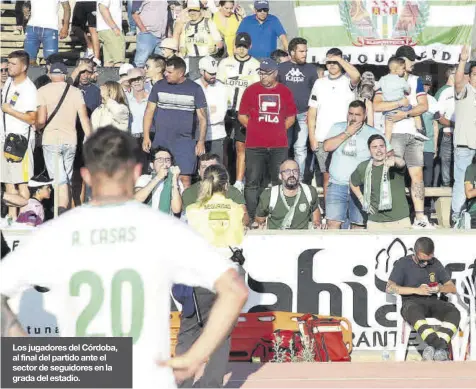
300,77
348,143
216,95
290,205
383,181
177,105
404,133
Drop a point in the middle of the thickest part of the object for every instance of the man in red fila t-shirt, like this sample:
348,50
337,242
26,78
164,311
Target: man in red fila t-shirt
267,111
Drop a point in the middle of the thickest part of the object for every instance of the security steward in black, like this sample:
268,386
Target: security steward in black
418,278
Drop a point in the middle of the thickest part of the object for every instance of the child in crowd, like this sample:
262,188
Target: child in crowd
33,213
394,88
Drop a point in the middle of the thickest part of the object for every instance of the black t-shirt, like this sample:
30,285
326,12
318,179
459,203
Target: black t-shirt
300,79
409,274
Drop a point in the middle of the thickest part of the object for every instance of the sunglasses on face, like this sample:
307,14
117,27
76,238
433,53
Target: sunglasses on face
137,79
332,63
263,10
4,70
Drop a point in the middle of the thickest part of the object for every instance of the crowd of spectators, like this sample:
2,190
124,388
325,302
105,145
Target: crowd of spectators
208,83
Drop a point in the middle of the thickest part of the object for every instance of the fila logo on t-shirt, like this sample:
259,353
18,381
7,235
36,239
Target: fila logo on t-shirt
269,108
294,75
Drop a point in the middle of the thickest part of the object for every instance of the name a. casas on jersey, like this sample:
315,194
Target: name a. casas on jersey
104,236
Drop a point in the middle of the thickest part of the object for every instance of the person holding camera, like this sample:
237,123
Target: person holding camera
220,221
161,189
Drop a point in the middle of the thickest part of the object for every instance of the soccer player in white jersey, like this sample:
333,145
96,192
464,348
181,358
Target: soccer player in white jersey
107,242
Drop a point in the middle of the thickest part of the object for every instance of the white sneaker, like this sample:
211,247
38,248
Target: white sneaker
97,62
89,53
131,33
423,223
239,185
421,137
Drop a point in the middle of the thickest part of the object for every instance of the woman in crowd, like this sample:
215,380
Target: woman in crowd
217,218
113,110
227,20
33,213
220,221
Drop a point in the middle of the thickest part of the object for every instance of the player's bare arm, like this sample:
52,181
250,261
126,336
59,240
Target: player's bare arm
11,327
232,294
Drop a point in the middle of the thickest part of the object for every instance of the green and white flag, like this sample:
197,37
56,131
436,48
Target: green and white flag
370,31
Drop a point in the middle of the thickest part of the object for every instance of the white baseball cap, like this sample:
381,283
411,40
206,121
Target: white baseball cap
124,68
209,64
169,43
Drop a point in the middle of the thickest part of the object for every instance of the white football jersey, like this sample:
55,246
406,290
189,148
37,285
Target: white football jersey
237,76
110,270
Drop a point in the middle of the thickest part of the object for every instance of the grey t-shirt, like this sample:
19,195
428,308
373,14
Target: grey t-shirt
153,14
300,79
409,274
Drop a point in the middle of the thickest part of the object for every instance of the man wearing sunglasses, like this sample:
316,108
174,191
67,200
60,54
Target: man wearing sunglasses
264,30
290,205
418,278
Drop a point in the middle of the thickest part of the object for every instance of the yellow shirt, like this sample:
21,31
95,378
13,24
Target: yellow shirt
219,221
228,28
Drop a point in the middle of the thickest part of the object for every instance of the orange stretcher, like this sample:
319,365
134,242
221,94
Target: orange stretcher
251,327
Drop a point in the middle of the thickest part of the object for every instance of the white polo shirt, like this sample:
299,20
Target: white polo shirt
23,98
217,103
44,13
115,8
331,97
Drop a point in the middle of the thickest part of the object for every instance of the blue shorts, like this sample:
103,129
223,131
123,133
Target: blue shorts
341,205
183,151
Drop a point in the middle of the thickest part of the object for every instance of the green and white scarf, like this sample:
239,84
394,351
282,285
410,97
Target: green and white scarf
385,203
288,219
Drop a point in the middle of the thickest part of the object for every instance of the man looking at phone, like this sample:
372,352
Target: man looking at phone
348,143
418,278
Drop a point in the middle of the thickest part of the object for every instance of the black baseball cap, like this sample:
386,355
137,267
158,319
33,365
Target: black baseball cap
58,68
427,79
54,58
243,39
407,52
